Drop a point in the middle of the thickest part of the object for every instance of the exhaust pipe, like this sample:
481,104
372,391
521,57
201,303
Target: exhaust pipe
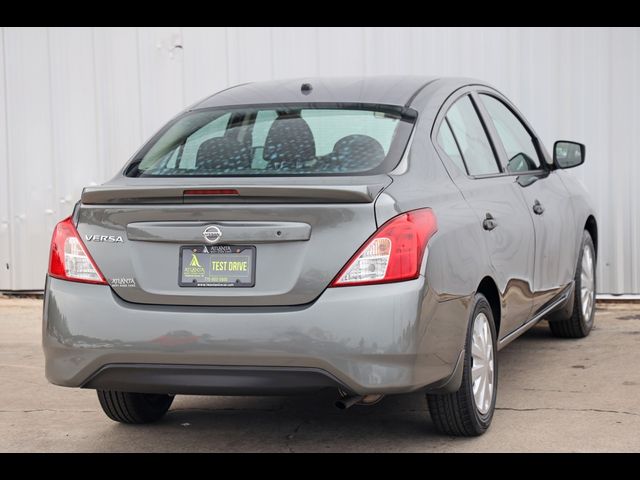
345,402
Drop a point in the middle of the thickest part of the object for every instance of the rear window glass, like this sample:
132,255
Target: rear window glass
276,141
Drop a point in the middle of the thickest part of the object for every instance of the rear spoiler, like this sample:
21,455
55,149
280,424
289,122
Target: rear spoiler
190,194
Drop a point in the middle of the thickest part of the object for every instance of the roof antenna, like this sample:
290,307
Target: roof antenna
306,88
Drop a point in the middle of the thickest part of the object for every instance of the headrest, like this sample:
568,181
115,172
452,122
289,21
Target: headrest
289,143
223,154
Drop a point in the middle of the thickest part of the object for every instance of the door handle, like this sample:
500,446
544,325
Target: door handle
538,209
489,223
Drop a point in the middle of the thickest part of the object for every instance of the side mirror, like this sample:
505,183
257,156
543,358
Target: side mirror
568,154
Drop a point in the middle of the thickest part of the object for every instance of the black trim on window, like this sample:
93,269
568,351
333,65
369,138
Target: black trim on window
496,156
455,139
483,122
470,90
544,166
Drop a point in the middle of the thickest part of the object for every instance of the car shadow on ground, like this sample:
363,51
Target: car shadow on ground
540,331
301,423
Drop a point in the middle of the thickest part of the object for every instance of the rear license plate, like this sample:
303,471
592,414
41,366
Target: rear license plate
217,266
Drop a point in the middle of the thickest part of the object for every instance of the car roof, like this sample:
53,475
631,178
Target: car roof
397,90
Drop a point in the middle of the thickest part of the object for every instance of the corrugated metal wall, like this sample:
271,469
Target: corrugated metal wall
76,102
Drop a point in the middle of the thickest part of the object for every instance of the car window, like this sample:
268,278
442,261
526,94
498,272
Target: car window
518,143
283,140
448,143
471,137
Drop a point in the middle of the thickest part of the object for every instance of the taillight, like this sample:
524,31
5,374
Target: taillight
69,258
392,254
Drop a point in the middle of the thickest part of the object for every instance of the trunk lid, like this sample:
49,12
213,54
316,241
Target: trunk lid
303,229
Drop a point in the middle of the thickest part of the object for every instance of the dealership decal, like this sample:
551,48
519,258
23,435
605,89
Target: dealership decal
194,269
123,282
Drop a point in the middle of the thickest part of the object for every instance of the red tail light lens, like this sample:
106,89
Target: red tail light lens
69,258
393,254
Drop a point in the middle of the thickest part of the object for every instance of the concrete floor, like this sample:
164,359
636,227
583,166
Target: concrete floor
555,395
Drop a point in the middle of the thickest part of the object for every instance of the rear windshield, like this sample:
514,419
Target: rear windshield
276,141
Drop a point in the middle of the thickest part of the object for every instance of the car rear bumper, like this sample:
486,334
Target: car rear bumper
372,339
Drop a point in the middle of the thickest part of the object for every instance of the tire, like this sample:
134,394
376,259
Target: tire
577,324
458,413
135,408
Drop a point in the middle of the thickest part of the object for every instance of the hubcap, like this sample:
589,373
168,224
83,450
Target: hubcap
587,283
482,363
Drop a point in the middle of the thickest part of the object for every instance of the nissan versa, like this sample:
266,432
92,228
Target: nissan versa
375,235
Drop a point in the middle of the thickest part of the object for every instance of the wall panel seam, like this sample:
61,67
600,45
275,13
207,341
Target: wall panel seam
8,193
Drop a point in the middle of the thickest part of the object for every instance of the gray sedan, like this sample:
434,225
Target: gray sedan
376,236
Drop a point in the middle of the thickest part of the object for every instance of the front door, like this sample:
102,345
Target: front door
555,265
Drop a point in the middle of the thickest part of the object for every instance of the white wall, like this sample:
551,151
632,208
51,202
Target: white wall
76,102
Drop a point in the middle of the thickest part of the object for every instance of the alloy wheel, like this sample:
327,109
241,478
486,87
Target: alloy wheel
587,283
482,370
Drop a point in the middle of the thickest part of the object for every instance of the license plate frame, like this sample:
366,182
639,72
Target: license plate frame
204,253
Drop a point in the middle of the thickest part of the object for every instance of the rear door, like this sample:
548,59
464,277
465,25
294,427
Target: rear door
500,210
544,195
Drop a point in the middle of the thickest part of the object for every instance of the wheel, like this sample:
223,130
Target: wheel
126,407
468,412
579,321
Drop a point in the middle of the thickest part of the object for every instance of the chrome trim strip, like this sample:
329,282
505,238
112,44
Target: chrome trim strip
536,318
